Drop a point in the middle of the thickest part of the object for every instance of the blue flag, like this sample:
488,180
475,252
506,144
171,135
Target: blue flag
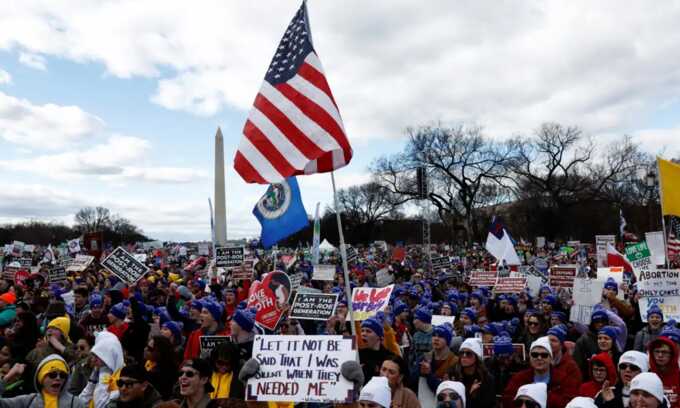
280,212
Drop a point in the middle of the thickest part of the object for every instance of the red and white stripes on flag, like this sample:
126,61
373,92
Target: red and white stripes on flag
673,246
294,126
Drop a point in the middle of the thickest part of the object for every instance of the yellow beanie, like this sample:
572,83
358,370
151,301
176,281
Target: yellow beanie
52,365
63,324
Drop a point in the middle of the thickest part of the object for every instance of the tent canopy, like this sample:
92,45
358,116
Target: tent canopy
326,246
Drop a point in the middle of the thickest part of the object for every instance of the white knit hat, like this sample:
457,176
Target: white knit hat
377,390
581,402
636,358
650,383
456,386
537,392
474,345
542,342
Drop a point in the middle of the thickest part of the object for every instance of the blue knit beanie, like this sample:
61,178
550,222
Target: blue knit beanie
655,309
399,308
423,314
550,299
559,331
502,345
245,319
671,332
374,325
444,331
599,315
119,310
214,308
560,315
471,330
196,304
610,331
612,285
452,306
470,313
176,329
96,300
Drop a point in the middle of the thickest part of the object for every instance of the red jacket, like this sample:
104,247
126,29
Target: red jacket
193,347
563,386
591,388
671,377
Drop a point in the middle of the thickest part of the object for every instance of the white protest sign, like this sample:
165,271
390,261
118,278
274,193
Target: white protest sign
586,294
601,242
441,319
661,288
204,248
534,284
656,247
80,263
540,242
367,302
301,369
383,277
324,272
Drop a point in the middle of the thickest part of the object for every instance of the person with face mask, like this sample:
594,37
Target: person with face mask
617,395
450,394
651,331
50,382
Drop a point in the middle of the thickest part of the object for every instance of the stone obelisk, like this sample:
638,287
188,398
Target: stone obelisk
220,206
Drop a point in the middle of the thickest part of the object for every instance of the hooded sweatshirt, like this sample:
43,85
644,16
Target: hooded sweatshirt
102,385
591,388
36,400
671,377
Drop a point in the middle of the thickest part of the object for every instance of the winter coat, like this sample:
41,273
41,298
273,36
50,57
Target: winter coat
671,377
617,402
484,396
586,347
35,400
151,399
591,388
80,373
438,368
644,337
102,387
563,387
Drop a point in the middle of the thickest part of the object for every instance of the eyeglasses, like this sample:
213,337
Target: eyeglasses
187,373
518,403
53,375
540,355
451,395
123,383
626,366
467,353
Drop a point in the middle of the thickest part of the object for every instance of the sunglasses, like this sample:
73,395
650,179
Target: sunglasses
467,353
187,373
533,323
540,355
525,403
53,375
626,366
123,383
451,395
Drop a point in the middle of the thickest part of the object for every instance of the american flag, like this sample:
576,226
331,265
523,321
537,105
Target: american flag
294,126
674,237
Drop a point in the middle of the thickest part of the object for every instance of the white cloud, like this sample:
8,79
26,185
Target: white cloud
46,126
5,77
662,142
34,61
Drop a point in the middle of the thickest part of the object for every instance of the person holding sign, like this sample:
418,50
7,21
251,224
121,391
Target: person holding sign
211,325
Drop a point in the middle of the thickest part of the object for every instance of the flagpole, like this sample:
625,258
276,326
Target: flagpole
343,254
663,222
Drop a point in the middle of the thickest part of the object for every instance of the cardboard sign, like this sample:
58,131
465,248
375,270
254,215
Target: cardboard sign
438,320
270,298
440,263
562,276
80,263
229,257
208,344
661,288
383,277
517,350
324,272
295,280
301,369
510,285
655,242
586,294
57,273
352,255
125,266
308,306
601,242
367,302
483,278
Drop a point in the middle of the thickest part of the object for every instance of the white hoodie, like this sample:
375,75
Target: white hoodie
101,389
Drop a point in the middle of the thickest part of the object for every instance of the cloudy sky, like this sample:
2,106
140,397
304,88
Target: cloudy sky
116,103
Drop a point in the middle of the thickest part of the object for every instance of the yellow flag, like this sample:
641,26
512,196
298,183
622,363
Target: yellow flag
669,184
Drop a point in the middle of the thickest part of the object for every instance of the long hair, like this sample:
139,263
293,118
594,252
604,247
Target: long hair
481,373
163,347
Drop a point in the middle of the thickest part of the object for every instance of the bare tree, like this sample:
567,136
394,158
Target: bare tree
93,219
369,203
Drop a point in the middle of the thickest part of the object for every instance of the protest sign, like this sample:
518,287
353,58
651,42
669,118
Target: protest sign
534,284
242,272
441,319
270,298
639,257
301,369
655,242
57,273
441,263
295,280
574,244
306,289
540,242
562,276
311,306
662,288
229,257
9,271
366,302
601,242
510,285
140,257
383,277
208,344
26,262
125,266
352,254
80,263
204,248
586,294
398,254
517,350
324,272
483,278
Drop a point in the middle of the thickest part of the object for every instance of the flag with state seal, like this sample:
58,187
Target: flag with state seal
280,212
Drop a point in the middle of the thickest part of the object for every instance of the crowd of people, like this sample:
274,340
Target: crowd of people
94,340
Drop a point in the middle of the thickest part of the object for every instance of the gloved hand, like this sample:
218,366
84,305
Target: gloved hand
352,371
249,369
